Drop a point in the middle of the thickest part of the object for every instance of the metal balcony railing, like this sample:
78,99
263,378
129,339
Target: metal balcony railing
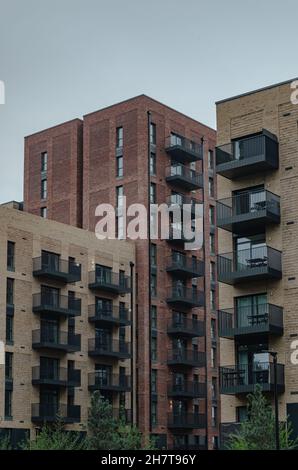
185,295
178,145
59,269
187,326
56,339
187,420
180,262
187,389
184,176
118,348
111,314
109,280
51,302
52,412
96,380
187,357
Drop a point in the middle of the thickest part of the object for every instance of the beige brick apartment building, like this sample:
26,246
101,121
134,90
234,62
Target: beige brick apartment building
67,306
257,216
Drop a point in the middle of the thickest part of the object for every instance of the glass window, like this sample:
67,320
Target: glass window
8,404
119,196
44,162
119,137
210,160
153,254
241,414
153,285
154,412
8,365
44,189
214,388
212,243
44,212
9,328
10,291
212,299
152,193
153,380
152,163
10,256
212,271
119,166
153,317
212,215
213,329
211,187
213,357
214,416
154,348
152,133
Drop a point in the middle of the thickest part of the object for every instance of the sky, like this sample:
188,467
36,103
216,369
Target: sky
61,59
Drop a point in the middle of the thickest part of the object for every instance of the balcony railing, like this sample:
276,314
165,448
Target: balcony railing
184,266
60,376
109,281
243,378
186,420
258,262
249,211
114,315
184,202
186,327
60,340
186,357
44,412
57,269
181,296
110,382
187,389
266,318
184,177
178,236
247,155
182,149
63,305
114,348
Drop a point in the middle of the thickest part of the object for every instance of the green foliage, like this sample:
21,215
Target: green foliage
258,431
5,443
55,438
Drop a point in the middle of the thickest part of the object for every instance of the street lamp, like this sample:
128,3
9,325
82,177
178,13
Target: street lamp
274,356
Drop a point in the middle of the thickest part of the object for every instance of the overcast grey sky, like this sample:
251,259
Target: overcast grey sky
61,59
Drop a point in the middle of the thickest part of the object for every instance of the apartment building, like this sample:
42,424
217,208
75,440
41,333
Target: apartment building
256,166
149,153
67,323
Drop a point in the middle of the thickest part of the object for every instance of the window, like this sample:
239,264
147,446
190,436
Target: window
44,189
214,416
10,256
241,414
152,163
119,166
8,365
44,162
10,291
211,187
210,160
154,381
211,215
44,212
119,196
212,243
153,317
153,285
154,348
153,254
120,227
119,137
152,193
8,404
214,388
213,357
154,412
213,329
212,299
215,442
152,134
212,271
9,329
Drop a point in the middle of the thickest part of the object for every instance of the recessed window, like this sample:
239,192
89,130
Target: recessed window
152,193
153,380
44,188
153,285
44,162
212,243
10,291
211,187
154,317
44,212
10,256
154,412
210,160
8,365
8,404
154,348
119,166
152,163
152,133
153,254
119,137
212,215
9,329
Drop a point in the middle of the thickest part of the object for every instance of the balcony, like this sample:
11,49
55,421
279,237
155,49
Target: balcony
184,203
243,378
56,305
114,349
186,357
187,327
183,150
57,270
108,316
56,340
186,420
267,319
177,236
185,267
108,281
248,155
41,413
184,177
248,212
180,296
187,390
110,382
254,264
61,377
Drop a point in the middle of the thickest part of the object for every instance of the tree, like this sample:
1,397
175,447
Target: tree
5,443
55,438
258,431
109,432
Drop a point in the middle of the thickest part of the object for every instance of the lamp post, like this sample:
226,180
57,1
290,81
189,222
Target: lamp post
274,356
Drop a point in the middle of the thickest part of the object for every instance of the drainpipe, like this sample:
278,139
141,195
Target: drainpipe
149,266
132,335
